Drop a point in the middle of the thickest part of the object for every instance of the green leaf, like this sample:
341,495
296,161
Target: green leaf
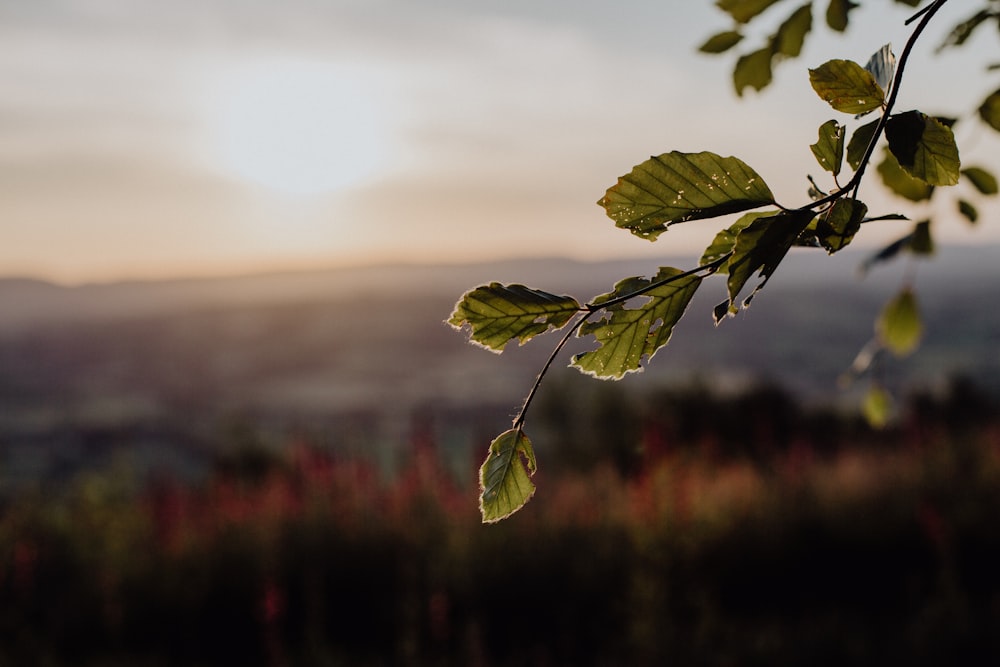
791,34
859,143
753,71
846,86
725,240
961,32
877,407
922,243
505,476
843,220
902,183
924,147
676,187
761,246
899,327
829,150
721,42
981,179
499,313
744,10
968,211
837,14
626,335
989,111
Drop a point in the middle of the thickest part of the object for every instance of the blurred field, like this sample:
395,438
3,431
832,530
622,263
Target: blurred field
685,528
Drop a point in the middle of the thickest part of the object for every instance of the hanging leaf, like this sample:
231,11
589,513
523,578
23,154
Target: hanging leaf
837,228
505,476
989,111
724,241
898,326
981,179
882,66
968,211
859,143
924,147
626,335
877,407
902,183
829,150
743,11
837,14
676,187
761,246
721,42
922,243
753,71
846,86
792,32
499,313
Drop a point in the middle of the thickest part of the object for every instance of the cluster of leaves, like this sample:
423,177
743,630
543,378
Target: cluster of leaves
635,319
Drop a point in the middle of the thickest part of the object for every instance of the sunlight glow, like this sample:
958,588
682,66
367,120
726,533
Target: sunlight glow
297,126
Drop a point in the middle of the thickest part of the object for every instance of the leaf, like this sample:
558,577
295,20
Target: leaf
922,243
961,32
859,143
846,86
721,42
981,179
837,228
837,14
626,335
761,246
724,241
886,253
753,71
882,66
505,476
989,111
924,147
900,182
968,211
743,11
792,32
898,326
829,150
877,407
499,313
677,187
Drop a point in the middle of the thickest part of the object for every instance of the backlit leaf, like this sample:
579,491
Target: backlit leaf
753,70
725,240
761,246
859,143
626,335
900,182
989,111
676,187
792,32
505,476
499,313
846,86
961,32
721,42
829,150
837,14
922,243
837,228
744,10
877,407
968,211
898,326
924,147
981,179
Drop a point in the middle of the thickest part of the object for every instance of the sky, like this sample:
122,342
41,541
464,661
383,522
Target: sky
142,139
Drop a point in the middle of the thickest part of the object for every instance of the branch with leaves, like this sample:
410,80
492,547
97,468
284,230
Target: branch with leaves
629,324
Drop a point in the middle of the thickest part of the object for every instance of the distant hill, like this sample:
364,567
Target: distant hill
363,352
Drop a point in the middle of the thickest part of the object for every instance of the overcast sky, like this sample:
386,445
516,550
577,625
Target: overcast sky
142,138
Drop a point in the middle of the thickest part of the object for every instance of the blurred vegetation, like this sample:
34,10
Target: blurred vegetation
668,536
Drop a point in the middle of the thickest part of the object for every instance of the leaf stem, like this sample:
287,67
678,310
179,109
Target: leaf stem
710,268
522,415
